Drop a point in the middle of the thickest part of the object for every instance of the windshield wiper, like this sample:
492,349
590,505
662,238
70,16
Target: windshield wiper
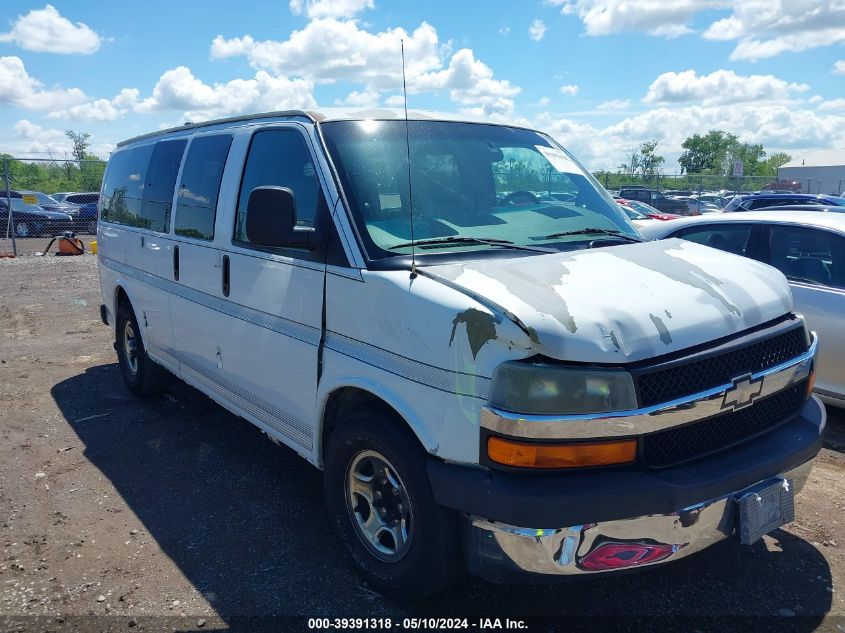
594,230
457,239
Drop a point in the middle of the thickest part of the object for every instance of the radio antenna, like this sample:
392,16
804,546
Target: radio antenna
408,150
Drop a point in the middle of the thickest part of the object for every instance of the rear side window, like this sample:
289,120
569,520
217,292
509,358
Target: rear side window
138,189
733,238
279,158
124,186
161,180
196,203
809,255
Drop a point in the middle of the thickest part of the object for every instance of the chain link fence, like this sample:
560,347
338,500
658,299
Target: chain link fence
43,198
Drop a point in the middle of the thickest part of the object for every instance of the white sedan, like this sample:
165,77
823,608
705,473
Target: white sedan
806,246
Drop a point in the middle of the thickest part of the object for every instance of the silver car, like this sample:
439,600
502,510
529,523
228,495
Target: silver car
806,246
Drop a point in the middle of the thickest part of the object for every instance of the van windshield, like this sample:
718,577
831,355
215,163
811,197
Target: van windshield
480,185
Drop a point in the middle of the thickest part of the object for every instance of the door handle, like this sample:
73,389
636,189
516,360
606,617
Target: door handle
176,263
225,275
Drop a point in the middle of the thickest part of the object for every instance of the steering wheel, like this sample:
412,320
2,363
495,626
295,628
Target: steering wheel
519,197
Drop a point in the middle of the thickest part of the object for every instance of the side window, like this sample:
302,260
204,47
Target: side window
124,186
161,180
279,158
810,255
196,202
760,203
732,238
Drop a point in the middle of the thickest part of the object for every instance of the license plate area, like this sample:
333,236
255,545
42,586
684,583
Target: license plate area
764,508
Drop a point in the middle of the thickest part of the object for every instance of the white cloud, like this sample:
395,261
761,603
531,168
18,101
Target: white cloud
537,30
504,30
719,87
395,101
569,89
615,104
18,88
778,127
767,28
329,50
179,89
669,18
833,104
47,31
543,102
32,140
362,99
761,28
839,67
330,8
100,109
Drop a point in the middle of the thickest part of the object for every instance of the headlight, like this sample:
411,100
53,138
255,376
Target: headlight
549,389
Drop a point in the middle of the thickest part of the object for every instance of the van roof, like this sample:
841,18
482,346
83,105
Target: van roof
316,116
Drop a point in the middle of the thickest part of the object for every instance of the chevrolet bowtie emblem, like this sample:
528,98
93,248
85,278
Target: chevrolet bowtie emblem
742,392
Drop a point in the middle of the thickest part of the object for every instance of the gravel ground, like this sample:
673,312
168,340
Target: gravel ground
169,513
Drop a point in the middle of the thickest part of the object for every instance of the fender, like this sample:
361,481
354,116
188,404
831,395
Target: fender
380,391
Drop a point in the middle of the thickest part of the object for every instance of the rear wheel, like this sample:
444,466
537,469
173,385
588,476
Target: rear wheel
378,495
140,373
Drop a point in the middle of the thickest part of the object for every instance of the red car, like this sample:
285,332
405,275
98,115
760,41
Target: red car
646,209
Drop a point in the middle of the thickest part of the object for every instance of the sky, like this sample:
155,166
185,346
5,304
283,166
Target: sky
601,76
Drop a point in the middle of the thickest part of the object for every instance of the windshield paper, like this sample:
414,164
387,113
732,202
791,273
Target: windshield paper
559,160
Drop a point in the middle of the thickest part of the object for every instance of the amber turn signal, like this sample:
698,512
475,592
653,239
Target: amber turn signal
523,455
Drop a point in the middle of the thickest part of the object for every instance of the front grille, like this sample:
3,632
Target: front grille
686,443
665,385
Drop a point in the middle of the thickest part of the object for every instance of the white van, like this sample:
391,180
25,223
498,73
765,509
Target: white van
461,328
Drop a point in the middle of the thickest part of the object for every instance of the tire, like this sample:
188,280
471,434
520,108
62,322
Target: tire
430,558
92,227
23,229
140,373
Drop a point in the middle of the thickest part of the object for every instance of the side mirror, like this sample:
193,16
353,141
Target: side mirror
271,220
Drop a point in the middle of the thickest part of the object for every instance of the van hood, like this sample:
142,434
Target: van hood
625,303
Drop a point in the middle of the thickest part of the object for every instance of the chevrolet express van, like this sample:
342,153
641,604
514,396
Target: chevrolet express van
456,323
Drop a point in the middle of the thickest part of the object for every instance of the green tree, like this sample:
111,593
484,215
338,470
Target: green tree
770,166
651,163
80,143
707,154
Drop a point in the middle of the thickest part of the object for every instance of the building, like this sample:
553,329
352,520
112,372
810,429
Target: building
819,171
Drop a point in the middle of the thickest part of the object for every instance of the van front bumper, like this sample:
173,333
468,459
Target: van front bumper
659,515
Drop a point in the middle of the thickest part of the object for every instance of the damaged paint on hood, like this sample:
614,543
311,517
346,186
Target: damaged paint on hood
624,303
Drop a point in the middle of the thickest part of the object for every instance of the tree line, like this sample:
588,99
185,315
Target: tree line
84,172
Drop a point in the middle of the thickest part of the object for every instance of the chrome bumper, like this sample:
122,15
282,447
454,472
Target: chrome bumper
721,399
496,547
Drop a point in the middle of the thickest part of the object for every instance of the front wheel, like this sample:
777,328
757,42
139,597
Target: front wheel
23,229
378,496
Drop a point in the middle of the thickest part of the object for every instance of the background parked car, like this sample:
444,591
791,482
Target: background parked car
638,219
806,207
646,209
47,202
763,200
697,206
86,219
30,220
806,246
655,198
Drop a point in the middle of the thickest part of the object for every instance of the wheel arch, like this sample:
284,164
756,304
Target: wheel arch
355,393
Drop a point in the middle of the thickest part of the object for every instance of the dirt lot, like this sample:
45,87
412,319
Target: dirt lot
170,513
